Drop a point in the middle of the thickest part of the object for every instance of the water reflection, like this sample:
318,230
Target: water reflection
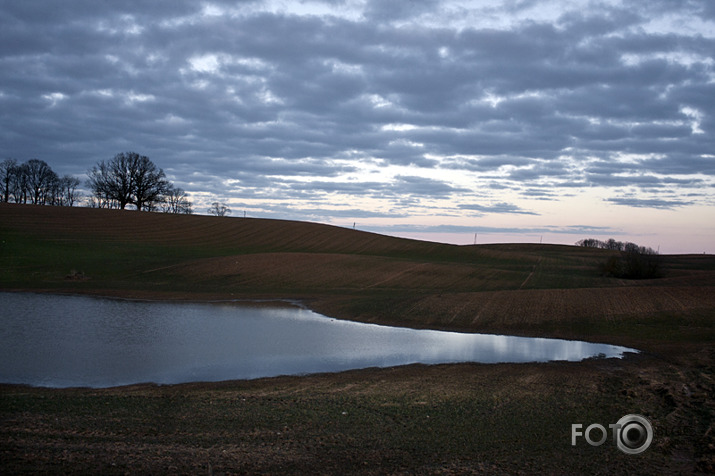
62,341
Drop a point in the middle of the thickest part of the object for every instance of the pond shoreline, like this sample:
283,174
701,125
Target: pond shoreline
334,308
415,419
420,418
61,341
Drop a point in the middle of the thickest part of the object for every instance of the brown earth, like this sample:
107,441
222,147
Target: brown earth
524,289
446,419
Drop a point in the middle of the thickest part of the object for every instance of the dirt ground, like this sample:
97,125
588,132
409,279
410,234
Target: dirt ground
417,419
443,419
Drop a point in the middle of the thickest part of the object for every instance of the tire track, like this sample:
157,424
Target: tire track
533,269
396,275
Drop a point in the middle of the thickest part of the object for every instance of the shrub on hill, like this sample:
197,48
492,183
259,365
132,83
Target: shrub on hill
632,261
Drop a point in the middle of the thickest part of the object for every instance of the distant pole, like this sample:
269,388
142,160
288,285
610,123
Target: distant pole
541,239
244,213
354,225
475,238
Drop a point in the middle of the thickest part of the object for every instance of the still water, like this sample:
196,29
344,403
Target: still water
67,341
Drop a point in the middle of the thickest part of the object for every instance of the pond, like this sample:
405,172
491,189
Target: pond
67,341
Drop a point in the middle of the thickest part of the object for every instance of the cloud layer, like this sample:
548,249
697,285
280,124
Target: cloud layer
382,109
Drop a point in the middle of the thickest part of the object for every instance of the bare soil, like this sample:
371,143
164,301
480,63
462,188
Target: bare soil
443,419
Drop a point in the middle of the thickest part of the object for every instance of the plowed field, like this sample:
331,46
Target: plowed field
532,289
450,419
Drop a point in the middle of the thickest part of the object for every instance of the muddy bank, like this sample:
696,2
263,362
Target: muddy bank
453,419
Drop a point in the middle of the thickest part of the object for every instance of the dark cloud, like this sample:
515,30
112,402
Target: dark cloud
546,193
427,187
497,208
648,202
583,230
381,11
403,187
256,98
344,216
677,164
538,169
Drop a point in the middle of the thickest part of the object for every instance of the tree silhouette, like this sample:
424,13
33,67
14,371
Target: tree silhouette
129,178
219,209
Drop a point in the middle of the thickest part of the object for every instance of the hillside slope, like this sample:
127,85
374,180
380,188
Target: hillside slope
217,234
523,289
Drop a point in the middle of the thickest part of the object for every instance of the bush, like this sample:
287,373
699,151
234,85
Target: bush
632,262
641,263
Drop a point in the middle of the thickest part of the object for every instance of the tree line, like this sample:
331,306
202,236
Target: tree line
614,245
133,179
632,261
127,179
35,182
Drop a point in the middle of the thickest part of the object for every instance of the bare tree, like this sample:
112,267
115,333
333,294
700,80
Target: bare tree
40,179
20,188
7,172
67,193
129,178
176,201
149,183
612,244
112,181
99,202
35,182
590,243
51,194
219,209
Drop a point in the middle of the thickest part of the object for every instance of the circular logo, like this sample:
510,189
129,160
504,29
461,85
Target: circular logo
634,434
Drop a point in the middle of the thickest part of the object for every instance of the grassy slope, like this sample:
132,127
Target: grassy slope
524,289
454,418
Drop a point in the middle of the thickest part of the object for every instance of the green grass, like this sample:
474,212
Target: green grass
32,260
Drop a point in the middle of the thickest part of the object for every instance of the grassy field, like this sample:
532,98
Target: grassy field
417,419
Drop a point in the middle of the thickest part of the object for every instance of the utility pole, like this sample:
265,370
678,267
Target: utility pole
475,238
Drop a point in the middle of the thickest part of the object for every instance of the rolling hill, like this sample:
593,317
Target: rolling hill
521,289
445,419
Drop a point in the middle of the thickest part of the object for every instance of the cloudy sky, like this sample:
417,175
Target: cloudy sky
517,120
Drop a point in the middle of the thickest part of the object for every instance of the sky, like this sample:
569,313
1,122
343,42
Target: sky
455,121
